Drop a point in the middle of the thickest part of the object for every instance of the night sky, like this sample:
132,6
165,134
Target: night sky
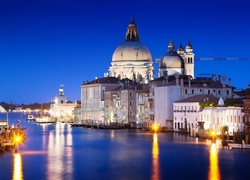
44,44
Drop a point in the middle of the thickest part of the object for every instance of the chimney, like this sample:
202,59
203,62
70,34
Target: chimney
214,77
219,78
223,81
229,82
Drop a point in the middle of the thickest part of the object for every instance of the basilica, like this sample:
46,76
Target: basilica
130,94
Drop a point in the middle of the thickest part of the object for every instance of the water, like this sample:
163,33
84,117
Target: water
58,151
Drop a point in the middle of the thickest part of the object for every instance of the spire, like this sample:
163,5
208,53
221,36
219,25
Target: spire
171,45
61,93
132,31
181,47
189,46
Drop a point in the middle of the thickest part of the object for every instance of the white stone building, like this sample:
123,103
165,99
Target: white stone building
186,113
61,110
180,87
92,98
215,118
164,98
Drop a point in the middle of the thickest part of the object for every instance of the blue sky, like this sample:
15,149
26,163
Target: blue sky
44,44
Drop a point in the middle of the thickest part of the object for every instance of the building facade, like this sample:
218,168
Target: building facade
61,110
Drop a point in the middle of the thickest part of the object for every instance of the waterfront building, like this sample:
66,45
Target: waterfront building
186,113
206,112
121,104
142,107
92,98
132,59
2,109
164,91
61,109
222,117
247,111
77,113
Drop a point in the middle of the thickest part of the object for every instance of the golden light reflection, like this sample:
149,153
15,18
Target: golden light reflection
112,134
17,169
60,153
214,170
155,158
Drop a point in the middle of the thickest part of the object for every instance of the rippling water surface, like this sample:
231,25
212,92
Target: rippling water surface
58,151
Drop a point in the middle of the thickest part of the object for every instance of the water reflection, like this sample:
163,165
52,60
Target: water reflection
17,169
214,170
60,153
155,160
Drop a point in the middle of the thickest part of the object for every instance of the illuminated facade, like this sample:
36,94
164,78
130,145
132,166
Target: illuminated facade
216,117
186,113
61,110
166,90
92,98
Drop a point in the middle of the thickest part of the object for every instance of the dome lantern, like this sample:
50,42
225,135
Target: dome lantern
132,32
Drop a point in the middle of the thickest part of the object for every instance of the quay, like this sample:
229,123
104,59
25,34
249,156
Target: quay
11,137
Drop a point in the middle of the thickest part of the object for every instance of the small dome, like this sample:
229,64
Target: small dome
131,51
180,48
172,60
189,46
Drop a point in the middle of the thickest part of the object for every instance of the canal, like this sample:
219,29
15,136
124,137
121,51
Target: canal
59,151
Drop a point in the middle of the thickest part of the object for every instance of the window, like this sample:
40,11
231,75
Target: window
192,91
208,91
219,92
186,91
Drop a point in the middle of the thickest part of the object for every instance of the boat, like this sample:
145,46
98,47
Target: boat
243,145
31,117
76,124
44,119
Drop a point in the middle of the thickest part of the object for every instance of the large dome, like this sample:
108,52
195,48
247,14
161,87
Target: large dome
131,51
132,59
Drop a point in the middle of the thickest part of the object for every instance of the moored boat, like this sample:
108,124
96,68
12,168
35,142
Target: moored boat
243,145
31,117
44,119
